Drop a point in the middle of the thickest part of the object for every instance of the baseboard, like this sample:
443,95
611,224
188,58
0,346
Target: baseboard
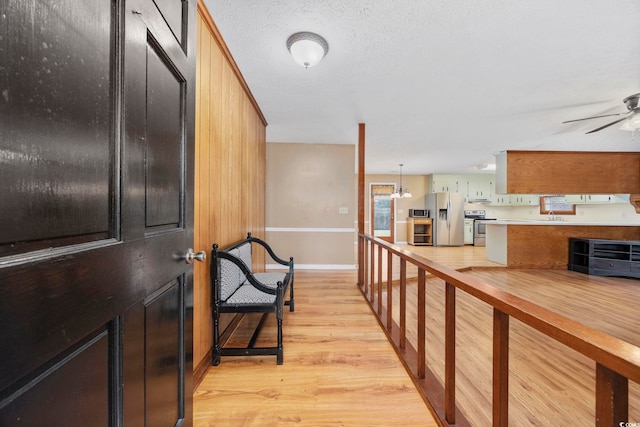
314,267
203,366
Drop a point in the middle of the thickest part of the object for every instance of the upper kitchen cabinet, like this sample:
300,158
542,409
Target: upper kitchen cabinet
474,187
479,188
447,184
567,172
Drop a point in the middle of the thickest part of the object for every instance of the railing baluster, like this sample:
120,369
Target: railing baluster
612,397
373,271
389,290
612,386
500,368
403,303
422,311
450,354
379,288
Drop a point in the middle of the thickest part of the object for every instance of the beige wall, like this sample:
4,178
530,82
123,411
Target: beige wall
307,184
417,185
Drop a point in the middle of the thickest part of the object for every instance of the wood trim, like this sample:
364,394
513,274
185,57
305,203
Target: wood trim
206,16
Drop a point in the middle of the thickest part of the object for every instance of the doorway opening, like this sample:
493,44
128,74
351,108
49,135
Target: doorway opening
382,212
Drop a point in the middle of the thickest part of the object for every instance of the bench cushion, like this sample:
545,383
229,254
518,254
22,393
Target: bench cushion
270,279
231,276
249,295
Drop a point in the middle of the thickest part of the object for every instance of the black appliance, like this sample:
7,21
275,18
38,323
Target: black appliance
418,213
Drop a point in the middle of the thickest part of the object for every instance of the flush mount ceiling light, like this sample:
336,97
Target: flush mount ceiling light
306,48
402,192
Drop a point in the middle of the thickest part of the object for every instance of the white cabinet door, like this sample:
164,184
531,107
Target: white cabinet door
447,184
501,200
468,232
525,200
588,199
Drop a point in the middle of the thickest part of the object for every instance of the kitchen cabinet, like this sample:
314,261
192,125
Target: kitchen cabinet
525,200
501,200
479,187
586,199
468,231
419,231
447,184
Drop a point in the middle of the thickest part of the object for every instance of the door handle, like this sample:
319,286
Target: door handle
190,256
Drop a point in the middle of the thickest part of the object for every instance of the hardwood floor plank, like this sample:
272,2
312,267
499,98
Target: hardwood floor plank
339,368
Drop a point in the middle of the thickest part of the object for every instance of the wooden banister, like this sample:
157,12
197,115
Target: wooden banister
617,361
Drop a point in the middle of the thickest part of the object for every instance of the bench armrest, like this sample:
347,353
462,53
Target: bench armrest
247,273
272,254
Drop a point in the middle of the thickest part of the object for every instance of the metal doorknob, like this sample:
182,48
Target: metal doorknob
190,256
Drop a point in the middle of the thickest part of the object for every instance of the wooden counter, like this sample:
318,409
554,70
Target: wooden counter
522,244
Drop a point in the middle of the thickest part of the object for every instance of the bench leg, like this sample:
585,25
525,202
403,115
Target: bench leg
291,308
215,356
280,351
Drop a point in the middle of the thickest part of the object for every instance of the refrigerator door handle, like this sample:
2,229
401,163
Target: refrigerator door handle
449,214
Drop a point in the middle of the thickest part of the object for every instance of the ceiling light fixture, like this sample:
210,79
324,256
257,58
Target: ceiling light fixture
401,192
306,48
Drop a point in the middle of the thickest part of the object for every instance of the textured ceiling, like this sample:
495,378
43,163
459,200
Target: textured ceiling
440,84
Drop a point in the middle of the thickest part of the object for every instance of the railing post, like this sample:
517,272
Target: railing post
360,261
365,267
500,369
422,311
379,288
403,303
373,271
450,354
389,290
612,397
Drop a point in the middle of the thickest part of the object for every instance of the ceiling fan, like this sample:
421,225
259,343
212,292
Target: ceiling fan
633,114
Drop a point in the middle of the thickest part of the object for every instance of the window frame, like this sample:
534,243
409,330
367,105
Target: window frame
566,211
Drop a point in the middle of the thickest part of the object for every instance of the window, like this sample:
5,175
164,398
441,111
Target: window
556,205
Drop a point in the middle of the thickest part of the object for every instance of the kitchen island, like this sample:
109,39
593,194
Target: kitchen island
541,244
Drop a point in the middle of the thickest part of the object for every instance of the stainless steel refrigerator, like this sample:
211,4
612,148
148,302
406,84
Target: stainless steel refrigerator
447,211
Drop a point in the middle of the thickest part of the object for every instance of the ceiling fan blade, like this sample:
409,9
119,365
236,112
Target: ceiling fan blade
595,117
607,125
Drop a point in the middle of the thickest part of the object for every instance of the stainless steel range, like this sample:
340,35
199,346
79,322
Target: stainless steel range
479,227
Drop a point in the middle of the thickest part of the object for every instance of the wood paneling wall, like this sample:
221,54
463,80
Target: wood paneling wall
229,169
547,246
568,172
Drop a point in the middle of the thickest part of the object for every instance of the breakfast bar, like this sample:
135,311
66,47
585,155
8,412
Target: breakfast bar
544,244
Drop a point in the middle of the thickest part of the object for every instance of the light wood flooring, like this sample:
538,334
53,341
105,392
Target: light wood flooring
340,370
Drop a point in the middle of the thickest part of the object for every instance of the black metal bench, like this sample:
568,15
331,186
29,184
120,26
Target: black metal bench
236,289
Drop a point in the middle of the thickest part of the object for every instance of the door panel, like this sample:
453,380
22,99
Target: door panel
85,401
50,135
96,163
165,126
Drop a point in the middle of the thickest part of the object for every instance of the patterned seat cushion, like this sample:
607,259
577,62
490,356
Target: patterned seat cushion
231,276
247,294
269,279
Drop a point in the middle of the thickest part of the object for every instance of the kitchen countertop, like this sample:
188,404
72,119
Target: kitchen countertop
547,222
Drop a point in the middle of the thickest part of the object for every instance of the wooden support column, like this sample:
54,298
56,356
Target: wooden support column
612,397
361,144
500,369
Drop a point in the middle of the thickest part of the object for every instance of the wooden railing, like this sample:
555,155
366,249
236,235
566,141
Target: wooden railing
616,361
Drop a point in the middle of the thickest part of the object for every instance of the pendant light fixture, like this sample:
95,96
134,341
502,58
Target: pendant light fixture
401,192
306,48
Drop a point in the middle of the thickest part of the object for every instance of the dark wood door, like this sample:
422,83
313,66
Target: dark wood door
96,209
